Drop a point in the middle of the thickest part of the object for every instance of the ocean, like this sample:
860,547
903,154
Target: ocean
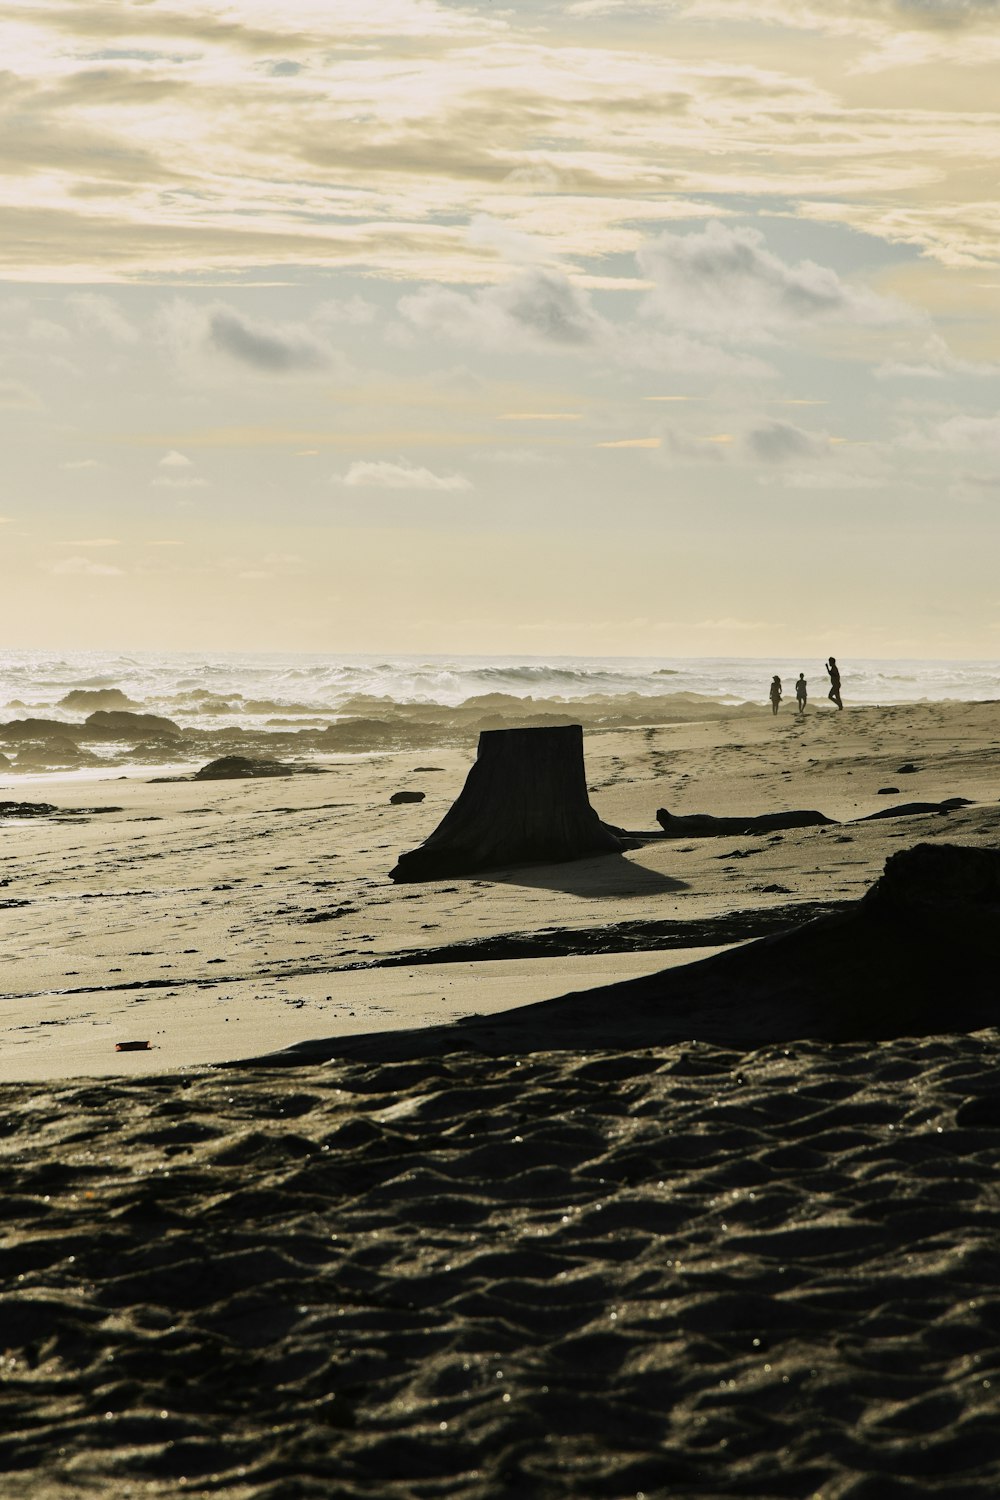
250,690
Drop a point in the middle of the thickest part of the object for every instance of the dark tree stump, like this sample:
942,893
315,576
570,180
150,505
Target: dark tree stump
524,802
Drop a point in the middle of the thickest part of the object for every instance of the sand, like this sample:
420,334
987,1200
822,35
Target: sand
562,1269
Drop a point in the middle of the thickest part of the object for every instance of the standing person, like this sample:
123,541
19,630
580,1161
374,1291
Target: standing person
801,692
833,672
775,693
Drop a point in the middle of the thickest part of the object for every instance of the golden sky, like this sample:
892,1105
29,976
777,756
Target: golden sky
596,327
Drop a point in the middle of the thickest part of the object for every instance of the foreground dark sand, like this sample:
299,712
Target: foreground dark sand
682,1271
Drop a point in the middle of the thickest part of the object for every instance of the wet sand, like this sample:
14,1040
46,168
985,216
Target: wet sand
612,1269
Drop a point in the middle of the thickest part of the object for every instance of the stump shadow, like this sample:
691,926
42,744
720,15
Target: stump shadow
606,875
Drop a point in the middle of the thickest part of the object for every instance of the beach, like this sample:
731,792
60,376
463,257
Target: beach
370,1213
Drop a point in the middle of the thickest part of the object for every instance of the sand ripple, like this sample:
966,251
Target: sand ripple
687,1271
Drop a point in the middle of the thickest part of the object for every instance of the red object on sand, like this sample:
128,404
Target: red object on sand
131,1046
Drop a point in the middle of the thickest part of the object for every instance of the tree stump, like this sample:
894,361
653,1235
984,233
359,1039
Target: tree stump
524,802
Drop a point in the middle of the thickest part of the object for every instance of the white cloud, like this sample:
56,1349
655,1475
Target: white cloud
97,313
961,433
81,463
399,476
350,311
44,331
513,245
931,359
175,460
179,482
81,567
829,479
18,397
724,281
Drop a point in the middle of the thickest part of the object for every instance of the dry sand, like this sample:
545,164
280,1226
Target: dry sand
670,1270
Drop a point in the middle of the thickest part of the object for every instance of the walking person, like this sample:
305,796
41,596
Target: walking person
833,672
801,692
775,693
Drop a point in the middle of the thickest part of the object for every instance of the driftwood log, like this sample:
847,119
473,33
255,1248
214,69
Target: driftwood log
524,802
703,825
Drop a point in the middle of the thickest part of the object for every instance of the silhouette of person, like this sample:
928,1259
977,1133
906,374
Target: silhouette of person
833,672
801,692
775,693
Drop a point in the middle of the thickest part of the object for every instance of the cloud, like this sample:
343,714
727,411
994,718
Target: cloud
829,479
536,309
179,482
81,567
81,463
197,334
354,312
399,476
723,280
512,245
931,359
778,442
17,397
175,460
874,17
962,433
96,313
264,346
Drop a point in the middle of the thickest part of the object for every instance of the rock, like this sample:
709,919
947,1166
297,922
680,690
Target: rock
37,729
54,754
907,770
524,802
5,763
888,791
26,809
91,699
237,767
704,825
407,796
118,725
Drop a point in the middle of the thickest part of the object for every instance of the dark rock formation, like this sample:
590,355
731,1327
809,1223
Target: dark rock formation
54,754
236,767
524,802
118,725
407,797
887,791
91,699
703,825
37,729
26,809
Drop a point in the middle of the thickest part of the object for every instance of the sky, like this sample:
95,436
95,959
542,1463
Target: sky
632,327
